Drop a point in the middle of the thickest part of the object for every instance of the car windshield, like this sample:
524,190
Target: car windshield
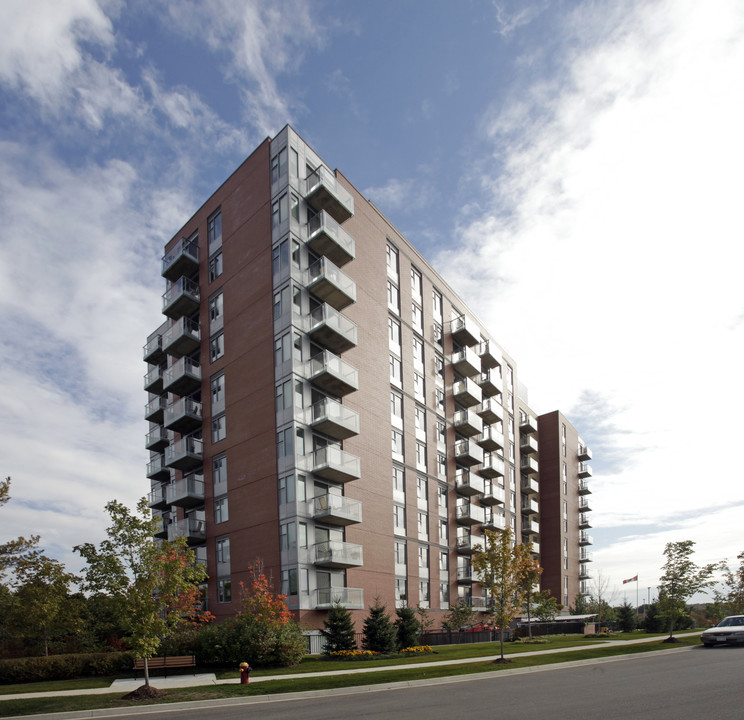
729,621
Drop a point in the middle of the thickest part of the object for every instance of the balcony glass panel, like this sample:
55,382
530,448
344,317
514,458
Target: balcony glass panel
182,377
332,374
331,285
350,598
334,419
326,237
330,328
335,553
335,464
182,337
181,298
324,192
336,509
181,259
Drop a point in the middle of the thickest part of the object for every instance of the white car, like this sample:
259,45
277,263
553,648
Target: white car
728,632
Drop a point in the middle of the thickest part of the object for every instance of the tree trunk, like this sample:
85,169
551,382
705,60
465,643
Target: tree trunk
501,639
529,614
46,643
147,673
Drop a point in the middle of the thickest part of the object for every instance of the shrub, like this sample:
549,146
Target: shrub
63,667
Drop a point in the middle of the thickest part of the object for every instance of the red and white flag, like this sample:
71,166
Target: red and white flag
633,579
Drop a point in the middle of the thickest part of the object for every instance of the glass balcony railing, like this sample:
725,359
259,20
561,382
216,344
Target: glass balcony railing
335,509
350,598
326,237
332,374
181,259
338,554
329,284
333,418
324,192
331,329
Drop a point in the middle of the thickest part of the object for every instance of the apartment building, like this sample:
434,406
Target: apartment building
320,399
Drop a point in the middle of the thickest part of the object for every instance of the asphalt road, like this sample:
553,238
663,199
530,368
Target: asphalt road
685,683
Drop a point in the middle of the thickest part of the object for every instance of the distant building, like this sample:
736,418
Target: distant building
321,399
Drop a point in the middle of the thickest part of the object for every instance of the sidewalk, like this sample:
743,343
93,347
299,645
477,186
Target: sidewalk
126,685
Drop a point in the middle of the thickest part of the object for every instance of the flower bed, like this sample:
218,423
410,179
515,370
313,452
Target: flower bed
417,650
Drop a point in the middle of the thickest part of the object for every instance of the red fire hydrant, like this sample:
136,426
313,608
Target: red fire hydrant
245,673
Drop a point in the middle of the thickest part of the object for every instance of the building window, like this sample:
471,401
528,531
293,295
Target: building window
441,432
393,294
422,490
399,481
289,582
279,165
218,428
419,387
394,334
400,552
443,532
439,398
219,474
397,444
282,349
222,550
399,519
281,302
294,162
217,388
392,261
421,455
442,466
418,353
214,231
224,590
279,211
423,525
424,593
215,267
285,442
443,561
287,489
437,306
401,591
216,312
420,419
287,536
442,499
416,285
295,207
280,257
438,334
396,371
423,557
220,510
417,316
216,347
284,395
443,594
439,368
396,408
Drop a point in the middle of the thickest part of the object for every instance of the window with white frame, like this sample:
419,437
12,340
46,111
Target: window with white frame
219,428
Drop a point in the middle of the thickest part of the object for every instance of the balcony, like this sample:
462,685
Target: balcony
465,331
161,527
157,469
187,492
331,285
530,505
528,445
468,453
478,604
154,379
327,238
585,539
493,466
584,523
529,465
530,526
491,440
585,471
466,362
334,419
332,374
156,498
466,392
184,454
349,598
181,259
494,521
467,484
490,355
156,439
331,329
584,488
467,423
584,573
465,544
183,415
490,383
152,351
183,377
155,410
585,555
333,463
182,338
584,504
323,191
535,547
338,510
466,575
584,453
181,298
337,554
468,514
493,494
529,485
527,423
491,410
193,529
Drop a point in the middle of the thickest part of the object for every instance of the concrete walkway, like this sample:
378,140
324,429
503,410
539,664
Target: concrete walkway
126,685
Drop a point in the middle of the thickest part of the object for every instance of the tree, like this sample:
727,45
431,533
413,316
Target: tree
458,616
426,622
13,551
581,605
680,580
339,630
501,567
626,615
153,583
732,599
379,633
546,606
530,577
407,627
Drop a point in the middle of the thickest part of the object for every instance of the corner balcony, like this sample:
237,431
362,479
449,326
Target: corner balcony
491,440
349,598
490,383
529,465
530,505
584,504
323,191
333,463
338,554
329,284
493,466
181,298
157,469
466,392
584,573
183,415
332,374
529,486
585,471
152,351
184,454
493,494
584,488
467,423
465,331
535,547
327,238
468,514
331,329
193,529
527,424
468,453
161,528
181,259
528,445
530,526
334,419
465,544
585,539
490,355
337,510
585,555
154,379
467,484
584,523
155,409
584,453
491,410
494,521
156,439
187,492
156,498
182,338
466,362
183,377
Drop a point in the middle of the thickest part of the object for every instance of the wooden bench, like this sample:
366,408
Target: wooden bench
164,662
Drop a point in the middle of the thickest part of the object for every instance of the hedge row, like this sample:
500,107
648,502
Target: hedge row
63,667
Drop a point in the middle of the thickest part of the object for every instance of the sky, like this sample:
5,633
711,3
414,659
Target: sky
573,170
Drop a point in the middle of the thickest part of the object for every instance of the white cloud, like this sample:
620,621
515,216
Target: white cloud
397,194
612,239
